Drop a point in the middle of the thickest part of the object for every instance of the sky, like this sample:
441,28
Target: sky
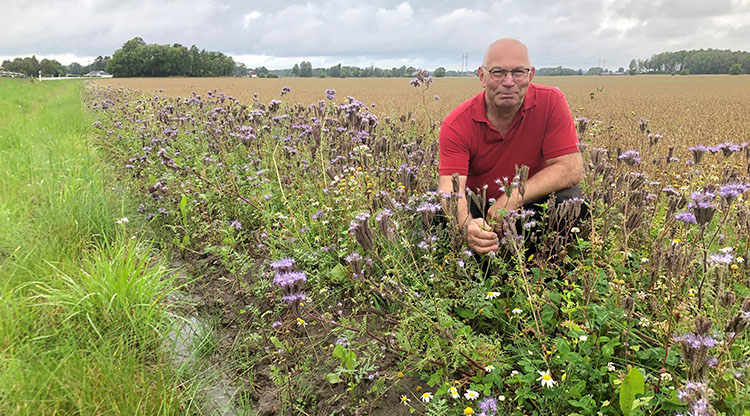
423,34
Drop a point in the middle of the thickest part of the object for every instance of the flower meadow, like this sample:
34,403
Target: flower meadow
315,234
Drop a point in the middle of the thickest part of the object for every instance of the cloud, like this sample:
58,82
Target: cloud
574,33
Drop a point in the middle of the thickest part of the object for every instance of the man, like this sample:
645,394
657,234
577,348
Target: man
511,123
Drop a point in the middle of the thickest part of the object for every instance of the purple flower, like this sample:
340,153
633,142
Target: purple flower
276,324
731,191
720,258
283,265
421,76
285,90
703,206
330,94
236,225
488,406
686,217
631,157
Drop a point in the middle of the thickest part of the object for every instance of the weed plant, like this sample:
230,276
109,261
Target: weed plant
351,293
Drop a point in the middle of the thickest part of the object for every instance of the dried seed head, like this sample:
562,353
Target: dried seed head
627,304
727,299
702,325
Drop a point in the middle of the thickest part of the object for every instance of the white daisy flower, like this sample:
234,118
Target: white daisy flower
426,397
492,295
489,368
546,379
453,392
471,395
517,311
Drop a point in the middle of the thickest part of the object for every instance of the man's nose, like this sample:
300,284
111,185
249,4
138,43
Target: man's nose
508,79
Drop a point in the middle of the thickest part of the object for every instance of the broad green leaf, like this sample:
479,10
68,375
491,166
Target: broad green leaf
276,343
333,378
633,384
338,273
339,352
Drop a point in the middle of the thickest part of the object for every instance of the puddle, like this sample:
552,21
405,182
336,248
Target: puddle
186,344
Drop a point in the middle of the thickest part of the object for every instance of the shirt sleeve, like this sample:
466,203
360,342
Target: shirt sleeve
454,152
560,137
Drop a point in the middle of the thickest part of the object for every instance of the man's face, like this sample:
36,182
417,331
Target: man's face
505,90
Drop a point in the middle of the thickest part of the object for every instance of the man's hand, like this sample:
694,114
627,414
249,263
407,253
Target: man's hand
480,237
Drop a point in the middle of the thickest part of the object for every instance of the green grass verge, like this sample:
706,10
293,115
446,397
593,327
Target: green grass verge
81,320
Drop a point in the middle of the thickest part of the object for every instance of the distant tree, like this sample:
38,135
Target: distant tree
580,71
28,66
271,75
51,67
439,72
305,69
334,71
620,69
138,59
595,71
240,70
735,69
295,70
74,69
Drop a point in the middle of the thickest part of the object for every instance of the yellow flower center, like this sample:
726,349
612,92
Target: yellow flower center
547,377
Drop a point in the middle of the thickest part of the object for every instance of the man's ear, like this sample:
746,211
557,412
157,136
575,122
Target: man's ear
481,73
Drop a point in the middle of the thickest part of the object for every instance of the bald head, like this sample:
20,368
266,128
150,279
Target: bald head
506,48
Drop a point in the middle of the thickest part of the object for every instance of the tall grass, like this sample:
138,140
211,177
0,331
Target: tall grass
81,311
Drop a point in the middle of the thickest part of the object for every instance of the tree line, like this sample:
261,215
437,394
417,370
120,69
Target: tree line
31,66
701,61
136,58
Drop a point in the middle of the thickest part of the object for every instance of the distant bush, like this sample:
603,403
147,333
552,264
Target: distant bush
735,69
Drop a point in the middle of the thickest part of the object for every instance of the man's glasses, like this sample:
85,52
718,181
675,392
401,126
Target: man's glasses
498,74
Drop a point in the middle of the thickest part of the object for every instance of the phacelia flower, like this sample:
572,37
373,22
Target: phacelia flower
703,206
488,406
631,157
686,217
330,94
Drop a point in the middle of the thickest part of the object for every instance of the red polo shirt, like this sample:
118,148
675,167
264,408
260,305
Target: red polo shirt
542,129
